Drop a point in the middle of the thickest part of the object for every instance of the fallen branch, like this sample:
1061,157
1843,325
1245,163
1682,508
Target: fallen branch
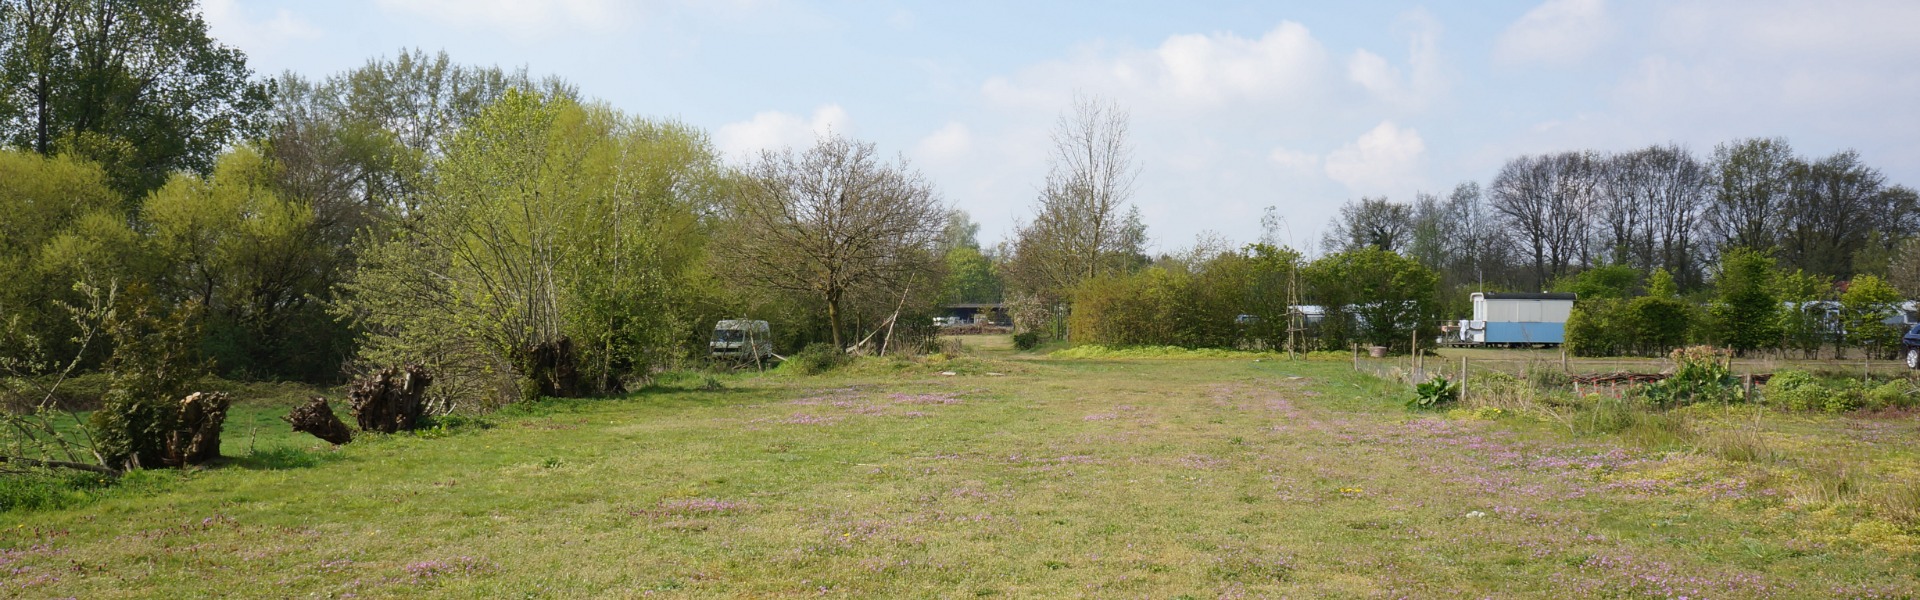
59,464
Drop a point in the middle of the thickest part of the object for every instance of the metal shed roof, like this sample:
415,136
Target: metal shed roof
1528,296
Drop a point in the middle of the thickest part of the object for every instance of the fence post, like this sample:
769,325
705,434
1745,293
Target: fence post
1356,356
1463,379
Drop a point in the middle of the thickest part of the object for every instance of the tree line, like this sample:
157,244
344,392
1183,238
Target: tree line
518,239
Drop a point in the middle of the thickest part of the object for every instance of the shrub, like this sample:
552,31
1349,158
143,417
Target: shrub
1435,393
155,358
815,359
1026,340
1700,375
1799,390
1892,394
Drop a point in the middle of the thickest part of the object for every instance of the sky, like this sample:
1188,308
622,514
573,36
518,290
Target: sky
1234,106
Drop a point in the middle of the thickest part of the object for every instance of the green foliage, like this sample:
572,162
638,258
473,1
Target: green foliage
1661,285
155,359
1802,391
59,223
816,358
549,223
1026,340
1435,393
1097,351
1193,303
1745,315
247,254
1611,281
1806,320
1864,307
970,277
137,86
1378,297
1700,374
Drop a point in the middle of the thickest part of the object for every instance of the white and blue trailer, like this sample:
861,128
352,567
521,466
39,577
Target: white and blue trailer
1516,319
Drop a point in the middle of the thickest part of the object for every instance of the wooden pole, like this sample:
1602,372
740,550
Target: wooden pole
1463,379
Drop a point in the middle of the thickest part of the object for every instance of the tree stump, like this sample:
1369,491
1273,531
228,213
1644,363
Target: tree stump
316,417
196,440
390,400
551,365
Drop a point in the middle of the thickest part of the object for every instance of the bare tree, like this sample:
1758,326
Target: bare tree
1375,222
1085,224
1545,200
834,223
1652,210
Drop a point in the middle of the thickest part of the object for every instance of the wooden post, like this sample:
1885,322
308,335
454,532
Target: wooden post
1563,359
1463,379
1356,356
1413,346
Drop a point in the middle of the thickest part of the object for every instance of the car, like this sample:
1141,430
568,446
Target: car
1910,346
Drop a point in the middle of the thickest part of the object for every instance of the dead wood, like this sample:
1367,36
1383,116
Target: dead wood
316,417
390,400
61,464
197,438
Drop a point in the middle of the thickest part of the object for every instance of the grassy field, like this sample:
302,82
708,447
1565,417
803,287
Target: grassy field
1017,477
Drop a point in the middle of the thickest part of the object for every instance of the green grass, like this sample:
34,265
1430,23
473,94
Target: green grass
1012,477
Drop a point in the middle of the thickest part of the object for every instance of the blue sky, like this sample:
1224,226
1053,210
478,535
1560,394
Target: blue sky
1235,106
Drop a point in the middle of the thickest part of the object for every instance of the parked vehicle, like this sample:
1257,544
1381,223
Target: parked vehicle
1910,347
741,339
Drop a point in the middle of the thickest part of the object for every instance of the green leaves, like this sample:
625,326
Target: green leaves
547,221
1435,393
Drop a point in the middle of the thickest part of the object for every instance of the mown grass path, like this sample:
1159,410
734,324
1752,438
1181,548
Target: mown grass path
1083,478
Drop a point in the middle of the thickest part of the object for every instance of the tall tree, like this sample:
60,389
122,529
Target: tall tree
1833,211
836,224
1545,200
1751,181
1085,224
1652,208
1370,223
136,85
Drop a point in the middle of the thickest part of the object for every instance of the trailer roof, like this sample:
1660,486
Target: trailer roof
1527,296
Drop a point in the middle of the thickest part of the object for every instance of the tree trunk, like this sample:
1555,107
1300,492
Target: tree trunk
197,439
390,400
316,417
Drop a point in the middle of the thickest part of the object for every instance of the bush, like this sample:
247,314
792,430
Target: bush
1802,391
1026,340
1700,375
1892,394
1435,393
815,359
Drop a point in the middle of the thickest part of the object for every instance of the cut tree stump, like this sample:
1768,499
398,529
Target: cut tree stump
390,400
316,417
197,440
551,366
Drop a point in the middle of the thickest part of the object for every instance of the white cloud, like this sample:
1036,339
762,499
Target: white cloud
951,141
1372,72
1185,71
518,17
775,130
1387,158
232,25
1295,160
1557,32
